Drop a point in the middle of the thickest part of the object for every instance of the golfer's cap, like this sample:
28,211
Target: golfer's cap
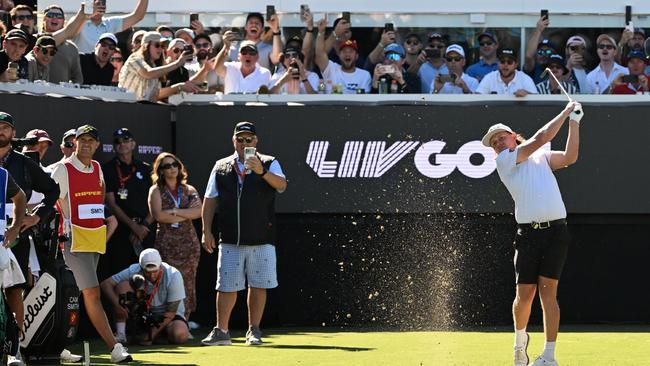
493,130
455,48
576,40
150,260
7,118
41,135
187,31
435,35
109,36
349,43
640,31
138,33
87,130
150,37
123,133
46,41
245,126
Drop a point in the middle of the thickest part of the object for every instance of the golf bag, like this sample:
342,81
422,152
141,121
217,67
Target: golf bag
52,305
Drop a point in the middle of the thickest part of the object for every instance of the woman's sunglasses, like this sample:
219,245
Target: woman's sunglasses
169,165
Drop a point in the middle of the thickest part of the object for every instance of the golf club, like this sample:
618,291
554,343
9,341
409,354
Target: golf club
548,71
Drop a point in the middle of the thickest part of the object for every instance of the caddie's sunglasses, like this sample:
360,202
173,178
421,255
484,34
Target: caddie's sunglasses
248,140
68,144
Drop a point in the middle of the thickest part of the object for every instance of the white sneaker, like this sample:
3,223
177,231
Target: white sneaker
16,360
66,356
521,353
541,361
119,354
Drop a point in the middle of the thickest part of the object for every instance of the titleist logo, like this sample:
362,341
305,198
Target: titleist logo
33,310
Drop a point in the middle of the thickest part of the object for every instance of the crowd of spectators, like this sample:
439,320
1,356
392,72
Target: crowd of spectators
266,58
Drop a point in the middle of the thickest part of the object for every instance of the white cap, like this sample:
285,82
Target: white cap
139,33
110,36
150,259
493,130
174,42
151,37
455,48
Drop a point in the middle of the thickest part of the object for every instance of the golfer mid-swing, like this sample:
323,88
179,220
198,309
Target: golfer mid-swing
542,238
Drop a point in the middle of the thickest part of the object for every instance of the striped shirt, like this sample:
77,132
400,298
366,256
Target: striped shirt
545,87
130,79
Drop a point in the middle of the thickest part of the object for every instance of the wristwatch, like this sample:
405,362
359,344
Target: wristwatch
264,171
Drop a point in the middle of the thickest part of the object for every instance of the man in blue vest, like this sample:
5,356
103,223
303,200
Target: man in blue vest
241,189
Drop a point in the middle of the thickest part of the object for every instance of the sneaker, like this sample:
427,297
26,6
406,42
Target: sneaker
254,336
120,354
217,337
521,353
193,325
66,356
120,338
541,361
16,360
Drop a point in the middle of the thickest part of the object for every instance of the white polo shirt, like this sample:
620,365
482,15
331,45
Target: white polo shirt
90,33
492,82
236,82
598,82
351,81
451,88
532,186
263,49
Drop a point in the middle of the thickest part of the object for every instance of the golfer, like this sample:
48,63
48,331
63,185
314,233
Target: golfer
542,239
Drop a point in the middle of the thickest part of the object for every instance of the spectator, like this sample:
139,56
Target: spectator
507,80
600,78
636,81
576,51
65,66
67,148
245,75
38,60
143,71
254,28
538,52
127,187
430,62
22,17
13,51
90,33
345,76
96,66
392,68
292,78
174,52
460,83
165,32
630,41
186,35
488,46
561,72
163,286
251,206
202,71
377,55
174,204
6,5
87,235
136,40
117,60
413,46
306,44
341,33
42,143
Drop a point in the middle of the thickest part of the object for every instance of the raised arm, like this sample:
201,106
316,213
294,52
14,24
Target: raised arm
220,60
274,24
531,48
562,159
72,27
377,54
544,134
308,41
148,72
321,59
136,15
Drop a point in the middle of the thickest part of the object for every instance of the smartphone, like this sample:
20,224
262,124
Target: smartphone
447,78
270,11
628,14
193,17
237,34
385,69
389,27
188,48
249,152
346,16
543,13
12,71
630,79
304,8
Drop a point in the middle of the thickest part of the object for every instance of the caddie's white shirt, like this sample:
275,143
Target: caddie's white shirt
532,185
492,82
451,88
351,81
236,82
60,175
90,33
598,82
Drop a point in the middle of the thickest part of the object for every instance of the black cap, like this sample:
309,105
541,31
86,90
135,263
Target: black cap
508,52
16,34
7,118
490,35
45,41
558,60
71,132
87,130
242,127
294,39
123,133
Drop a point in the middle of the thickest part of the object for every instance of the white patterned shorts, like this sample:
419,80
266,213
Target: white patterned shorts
241,264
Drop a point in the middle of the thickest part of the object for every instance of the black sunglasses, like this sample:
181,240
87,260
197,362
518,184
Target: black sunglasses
607,46
54,15
22,17
248,52
68,144
412,41
453,59
486,44
110,45
51,51
117,59
507,61
169,165
248,140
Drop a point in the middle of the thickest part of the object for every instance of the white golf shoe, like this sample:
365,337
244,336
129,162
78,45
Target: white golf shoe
541,361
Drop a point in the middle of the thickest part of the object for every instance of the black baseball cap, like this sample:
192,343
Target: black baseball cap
87,130
123,133
45,41
16,34
7,118
242,127
508,52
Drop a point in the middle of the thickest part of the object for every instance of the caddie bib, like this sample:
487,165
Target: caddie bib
86,201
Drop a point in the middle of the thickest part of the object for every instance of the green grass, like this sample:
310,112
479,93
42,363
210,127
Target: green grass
578,346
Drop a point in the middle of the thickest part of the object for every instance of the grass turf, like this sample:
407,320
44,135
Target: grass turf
577,346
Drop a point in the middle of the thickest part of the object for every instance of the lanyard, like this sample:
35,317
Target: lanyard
155,289
241,174
177,201
121,178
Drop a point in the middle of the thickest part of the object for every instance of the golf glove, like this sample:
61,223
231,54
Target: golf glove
577,113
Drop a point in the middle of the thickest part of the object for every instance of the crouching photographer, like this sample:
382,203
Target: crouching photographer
149,296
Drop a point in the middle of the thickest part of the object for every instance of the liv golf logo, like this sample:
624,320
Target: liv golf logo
373,159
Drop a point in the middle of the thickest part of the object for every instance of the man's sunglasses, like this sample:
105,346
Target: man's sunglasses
68,144
54,15
291,54
51,51
109,45
453,59
248,52
437,46
507,61
22,17
117,59
485,44
202,45
394,57
412,42
545,52
605,46
169,165
248,140
576,48
177,50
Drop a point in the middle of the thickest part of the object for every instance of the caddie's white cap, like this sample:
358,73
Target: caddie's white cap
493,130
150,259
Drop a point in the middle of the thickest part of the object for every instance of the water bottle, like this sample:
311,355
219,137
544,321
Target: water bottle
597,88
393,87
329,88
383,86
321,87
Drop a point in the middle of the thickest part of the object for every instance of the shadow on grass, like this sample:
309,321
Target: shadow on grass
315,347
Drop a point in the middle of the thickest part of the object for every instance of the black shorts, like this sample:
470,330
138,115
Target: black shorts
21,252
540,252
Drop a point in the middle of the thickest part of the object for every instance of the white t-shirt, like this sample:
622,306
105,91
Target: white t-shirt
312,77
598,82
532,186
212,191
263,49
351,81
90,33
212,77
492,82
451,88
236,82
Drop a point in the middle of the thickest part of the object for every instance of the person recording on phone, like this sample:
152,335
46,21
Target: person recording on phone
388,36
253,31
392,69
430,62
292,78
577,61
13,64
632,39
456,82
538,52
202,71
636,81
241,190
